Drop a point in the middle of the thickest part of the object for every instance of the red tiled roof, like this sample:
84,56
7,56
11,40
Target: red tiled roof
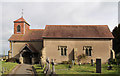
77,31
30,35
21,20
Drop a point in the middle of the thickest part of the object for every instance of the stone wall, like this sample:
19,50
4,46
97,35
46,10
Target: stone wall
17,46
100,48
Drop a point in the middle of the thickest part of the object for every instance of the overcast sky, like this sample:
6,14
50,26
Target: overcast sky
39,14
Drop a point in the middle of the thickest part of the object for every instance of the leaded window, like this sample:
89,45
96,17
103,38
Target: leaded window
18,28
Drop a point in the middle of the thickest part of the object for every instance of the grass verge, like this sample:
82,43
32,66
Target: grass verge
8,66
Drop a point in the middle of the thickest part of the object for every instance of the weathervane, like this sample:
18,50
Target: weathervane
22,12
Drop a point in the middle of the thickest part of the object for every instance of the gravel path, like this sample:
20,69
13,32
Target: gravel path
22,70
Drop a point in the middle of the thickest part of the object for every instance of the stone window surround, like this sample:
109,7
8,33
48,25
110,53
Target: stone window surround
89,48
64,52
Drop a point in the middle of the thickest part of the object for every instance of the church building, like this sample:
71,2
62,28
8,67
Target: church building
60,42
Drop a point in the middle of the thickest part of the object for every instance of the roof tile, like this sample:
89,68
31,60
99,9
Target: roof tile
77,31
30,35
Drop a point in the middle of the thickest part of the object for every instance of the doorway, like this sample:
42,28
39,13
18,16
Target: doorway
27,57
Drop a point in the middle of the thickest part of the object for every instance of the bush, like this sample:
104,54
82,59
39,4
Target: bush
82,56
15,60
69,62
64,62
112,61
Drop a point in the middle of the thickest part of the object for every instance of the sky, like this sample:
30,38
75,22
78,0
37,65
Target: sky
42,13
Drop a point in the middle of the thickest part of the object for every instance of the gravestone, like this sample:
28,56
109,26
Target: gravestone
70,66
48,66
98,65
109,67
73,62
45,70
92,62
48,63
79,63
53,67
3,70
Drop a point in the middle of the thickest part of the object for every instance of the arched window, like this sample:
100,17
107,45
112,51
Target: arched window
18,28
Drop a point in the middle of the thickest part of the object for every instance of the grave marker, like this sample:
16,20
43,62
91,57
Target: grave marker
73,62
53,67
3,70
48,66
98,65
91,62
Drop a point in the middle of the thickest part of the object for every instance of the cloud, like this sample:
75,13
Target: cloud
39,14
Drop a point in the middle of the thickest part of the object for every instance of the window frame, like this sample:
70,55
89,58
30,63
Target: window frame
63,50
18,26
88,50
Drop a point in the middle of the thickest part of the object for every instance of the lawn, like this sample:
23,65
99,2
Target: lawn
8,66
82,69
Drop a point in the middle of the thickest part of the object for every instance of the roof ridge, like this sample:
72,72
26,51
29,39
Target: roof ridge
76,25
36,29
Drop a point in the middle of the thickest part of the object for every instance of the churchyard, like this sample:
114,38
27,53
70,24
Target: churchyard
6,67
79,69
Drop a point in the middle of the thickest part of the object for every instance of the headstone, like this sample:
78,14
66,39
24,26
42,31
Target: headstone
48,71
48,63
92,62
53,67
79,64
45,70
3,70
109,67
73,62
70,66
33,60
47,66
98,65
109,62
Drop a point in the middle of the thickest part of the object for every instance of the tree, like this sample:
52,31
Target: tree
116,40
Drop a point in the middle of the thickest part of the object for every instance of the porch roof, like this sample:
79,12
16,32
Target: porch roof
30,47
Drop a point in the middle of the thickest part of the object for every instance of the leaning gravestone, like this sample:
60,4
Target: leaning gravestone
91,62
98,65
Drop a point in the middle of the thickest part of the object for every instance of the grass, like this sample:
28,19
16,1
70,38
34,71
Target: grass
39,70
82,69
8,66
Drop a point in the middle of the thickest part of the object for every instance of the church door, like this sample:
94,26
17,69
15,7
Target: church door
27,56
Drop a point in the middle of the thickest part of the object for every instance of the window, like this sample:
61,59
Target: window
88,50
63,50
18,28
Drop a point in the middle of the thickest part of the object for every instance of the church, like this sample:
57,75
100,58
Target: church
60,43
